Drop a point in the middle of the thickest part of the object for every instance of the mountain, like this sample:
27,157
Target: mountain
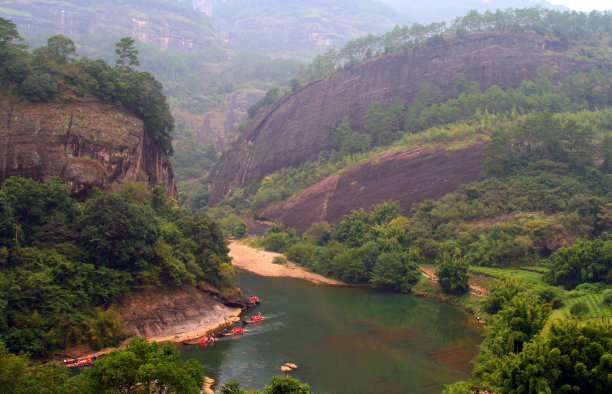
297,28
445,10
409,176
163,23
286,134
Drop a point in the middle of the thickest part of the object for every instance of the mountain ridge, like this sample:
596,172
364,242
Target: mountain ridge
293,136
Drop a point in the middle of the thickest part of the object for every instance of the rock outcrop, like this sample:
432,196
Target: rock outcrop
86,144
298,126
408,176
174,313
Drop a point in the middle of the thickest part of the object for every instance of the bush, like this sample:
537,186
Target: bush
38,86
302,253
579,309
452,275
282,260
607,297
240,230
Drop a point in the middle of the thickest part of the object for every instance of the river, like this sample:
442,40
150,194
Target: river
344,340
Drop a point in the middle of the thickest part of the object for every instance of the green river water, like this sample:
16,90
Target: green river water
344,340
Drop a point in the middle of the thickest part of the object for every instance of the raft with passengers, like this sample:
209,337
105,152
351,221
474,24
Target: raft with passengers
255,319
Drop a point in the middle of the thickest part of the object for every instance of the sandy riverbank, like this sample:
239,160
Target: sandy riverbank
260,262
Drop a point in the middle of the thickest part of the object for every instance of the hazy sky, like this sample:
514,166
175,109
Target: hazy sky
584,5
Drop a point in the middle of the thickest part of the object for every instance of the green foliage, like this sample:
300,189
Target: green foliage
558,27
280,260
119,233
105,329
50,72
284,384
62,260
142,366
579,309
270,96
61,48
351,142
584,261
364,248
240,230
452,274
382,123
18,375
127,53
393,271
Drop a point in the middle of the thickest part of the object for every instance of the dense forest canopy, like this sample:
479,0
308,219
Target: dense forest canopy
64,261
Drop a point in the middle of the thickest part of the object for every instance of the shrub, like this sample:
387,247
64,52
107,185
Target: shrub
282,260
579,309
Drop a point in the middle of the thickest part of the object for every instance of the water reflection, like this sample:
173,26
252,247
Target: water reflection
344,339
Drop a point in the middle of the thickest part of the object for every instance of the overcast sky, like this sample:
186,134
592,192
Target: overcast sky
584,5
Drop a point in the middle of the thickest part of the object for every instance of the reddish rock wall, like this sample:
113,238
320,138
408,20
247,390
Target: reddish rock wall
298,126
85,144
408,176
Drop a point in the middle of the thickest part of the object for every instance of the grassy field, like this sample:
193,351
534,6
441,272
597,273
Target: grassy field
528,274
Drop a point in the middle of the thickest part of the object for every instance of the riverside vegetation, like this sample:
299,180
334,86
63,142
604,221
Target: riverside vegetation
535,228
542,209
65,262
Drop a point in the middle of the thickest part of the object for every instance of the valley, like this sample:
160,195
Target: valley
466,161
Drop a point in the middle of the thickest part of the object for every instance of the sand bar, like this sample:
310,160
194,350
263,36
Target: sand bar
260,262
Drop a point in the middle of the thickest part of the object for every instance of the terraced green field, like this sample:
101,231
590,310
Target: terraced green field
595,303
529,274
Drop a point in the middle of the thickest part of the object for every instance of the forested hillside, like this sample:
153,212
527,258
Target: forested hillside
65,261
525,246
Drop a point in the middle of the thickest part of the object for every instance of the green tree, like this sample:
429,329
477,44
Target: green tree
286,385
393,271
119,234
143,367
8,33
452,274
61,48
127,52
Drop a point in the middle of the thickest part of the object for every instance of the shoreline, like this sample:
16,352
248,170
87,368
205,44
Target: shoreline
259,262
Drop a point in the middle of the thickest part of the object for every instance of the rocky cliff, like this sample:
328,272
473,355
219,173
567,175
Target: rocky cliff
408,176
174,314
85,143
298,126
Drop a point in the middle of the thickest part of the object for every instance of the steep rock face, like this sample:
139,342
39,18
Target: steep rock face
85,143
218,127
408,176
298,126
174,313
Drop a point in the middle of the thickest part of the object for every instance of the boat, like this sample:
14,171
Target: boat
196,342
254,321
232,333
